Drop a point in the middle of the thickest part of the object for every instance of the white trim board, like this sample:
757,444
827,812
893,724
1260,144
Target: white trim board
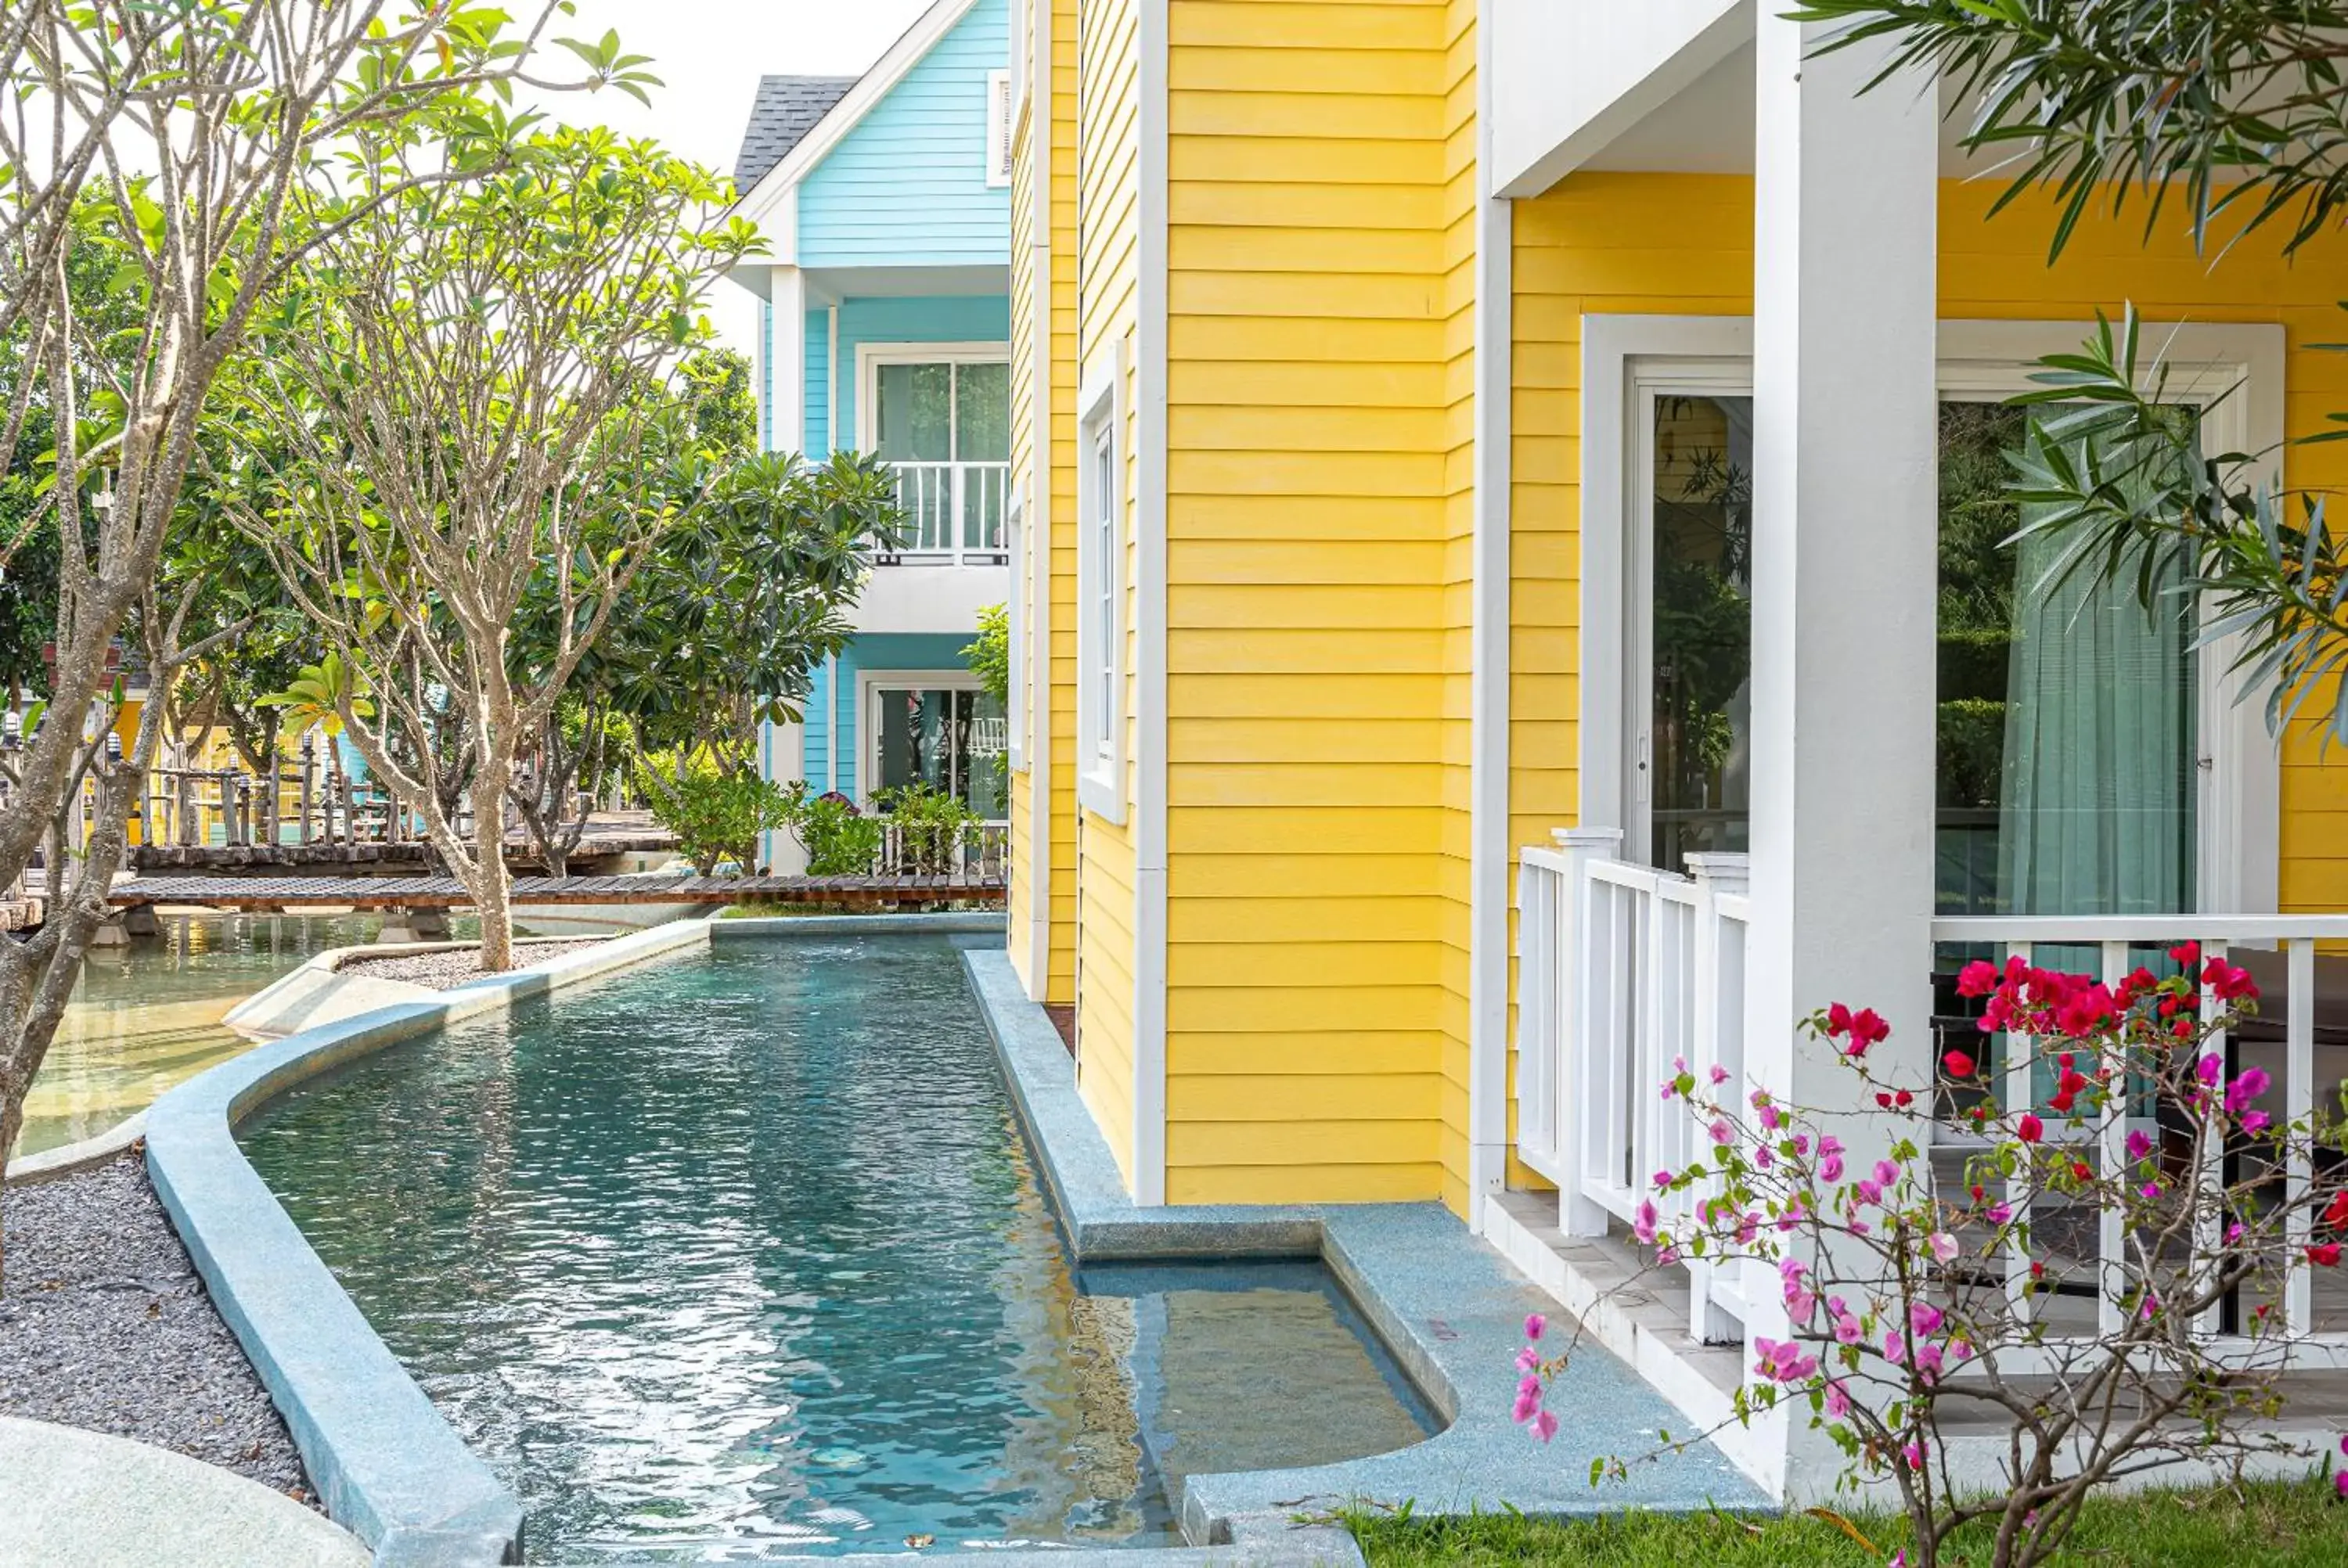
1148,523
2240,832
843,117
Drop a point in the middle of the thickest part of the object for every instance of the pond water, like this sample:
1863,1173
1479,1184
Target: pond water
743,1253
146,1016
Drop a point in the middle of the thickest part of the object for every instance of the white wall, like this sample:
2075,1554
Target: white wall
1571,75
930,598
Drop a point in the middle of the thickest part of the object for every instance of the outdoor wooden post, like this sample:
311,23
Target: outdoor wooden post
272,807
232,805
309,769
186,808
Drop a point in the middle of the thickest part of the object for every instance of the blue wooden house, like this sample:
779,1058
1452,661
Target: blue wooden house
885,327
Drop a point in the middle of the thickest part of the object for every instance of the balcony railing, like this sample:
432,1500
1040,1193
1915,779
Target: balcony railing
955,512
1624,967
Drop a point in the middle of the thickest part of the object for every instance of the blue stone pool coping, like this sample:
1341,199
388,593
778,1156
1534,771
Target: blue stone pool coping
387,1467
1448,1306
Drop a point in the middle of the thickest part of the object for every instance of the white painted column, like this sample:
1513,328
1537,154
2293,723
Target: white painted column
1488,846
786,764
1843,580
789,292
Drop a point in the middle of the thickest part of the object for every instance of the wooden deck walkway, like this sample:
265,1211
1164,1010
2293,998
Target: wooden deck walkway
445,892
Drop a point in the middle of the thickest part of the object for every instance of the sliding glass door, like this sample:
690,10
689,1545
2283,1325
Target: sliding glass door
2068,761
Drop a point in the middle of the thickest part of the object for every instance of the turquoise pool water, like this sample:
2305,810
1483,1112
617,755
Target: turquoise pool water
743,1255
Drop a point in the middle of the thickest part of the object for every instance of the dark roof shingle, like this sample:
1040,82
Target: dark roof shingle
786,109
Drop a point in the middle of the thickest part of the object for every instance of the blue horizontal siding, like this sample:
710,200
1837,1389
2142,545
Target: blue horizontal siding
920,318
832,717
907,187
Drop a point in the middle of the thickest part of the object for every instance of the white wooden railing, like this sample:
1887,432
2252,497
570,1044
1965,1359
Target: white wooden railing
1625,970
979,849
2120,943
955,512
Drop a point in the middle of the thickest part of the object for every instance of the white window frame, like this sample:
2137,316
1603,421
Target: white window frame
1626,358
999,110
1014,706
1102,586
871,357
869,684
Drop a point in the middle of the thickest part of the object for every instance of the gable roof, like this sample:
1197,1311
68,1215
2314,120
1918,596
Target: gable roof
785,110
753,197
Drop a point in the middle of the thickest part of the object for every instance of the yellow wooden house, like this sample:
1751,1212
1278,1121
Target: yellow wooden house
1385,373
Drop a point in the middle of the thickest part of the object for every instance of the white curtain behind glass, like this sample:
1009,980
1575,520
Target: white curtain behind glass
2096,804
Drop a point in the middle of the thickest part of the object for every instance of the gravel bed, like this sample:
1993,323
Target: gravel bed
105,1325
439,971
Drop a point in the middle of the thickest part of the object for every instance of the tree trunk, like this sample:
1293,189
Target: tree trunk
493,895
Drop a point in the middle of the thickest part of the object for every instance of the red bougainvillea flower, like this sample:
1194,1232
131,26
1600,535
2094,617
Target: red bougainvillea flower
2187,953
2227,981
2325,1254
2029,1129
2337,1214
1959,1064
1977,979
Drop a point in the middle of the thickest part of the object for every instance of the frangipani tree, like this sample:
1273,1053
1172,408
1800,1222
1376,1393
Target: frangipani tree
187,137
466,405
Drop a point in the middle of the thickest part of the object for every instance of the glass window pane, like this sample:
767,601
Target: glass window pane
2067,719
1703,628
986,784
982,413
913,421
915,744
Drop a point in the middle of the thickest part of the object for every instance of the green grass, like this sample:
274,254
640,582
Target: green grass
2279,1525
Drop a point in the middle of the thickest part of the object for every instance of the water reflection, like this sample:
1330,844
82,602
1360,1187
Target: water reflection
743,1255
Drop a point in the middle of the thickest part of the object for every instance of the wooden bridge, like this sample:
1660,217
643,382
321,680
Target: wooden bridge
447,892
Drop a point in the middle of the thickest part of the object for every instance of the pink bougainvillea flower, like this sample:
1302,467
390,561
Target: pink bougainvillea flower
1998,1214
1847,1329
2255,1122
1544,1425
1944,1246
2209,1069
1927,1363
1895,1349
1642,1226
1837,1399
1535,1325
2252,1083
1663,1180
2138,1145
1831,1168
1869,1191
1719,1073
1924,1318
1886,1173
1721,1133
1528,1359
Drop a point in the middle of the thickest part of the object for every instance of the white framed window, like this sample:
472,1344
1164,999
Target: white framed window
938,413
933,727
999,109
1667,431
1016,718
1101,573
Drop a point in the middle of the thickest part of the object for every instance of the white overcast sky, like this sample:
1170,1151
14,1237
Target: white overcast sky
711,53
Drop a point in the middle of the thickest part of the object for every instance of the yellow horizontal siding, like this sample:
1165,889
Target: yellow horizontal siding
1309,611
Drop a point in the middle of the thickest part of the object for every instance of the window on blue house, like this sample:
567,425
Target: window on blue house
944,425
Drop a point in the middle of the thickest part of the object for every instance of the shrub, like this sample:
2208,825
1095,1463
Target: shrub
932,829
1913,1303
719,815
840,840
989,658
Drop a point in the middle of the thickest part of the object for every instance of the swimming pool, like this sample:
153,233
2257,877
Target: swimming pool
743,1253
